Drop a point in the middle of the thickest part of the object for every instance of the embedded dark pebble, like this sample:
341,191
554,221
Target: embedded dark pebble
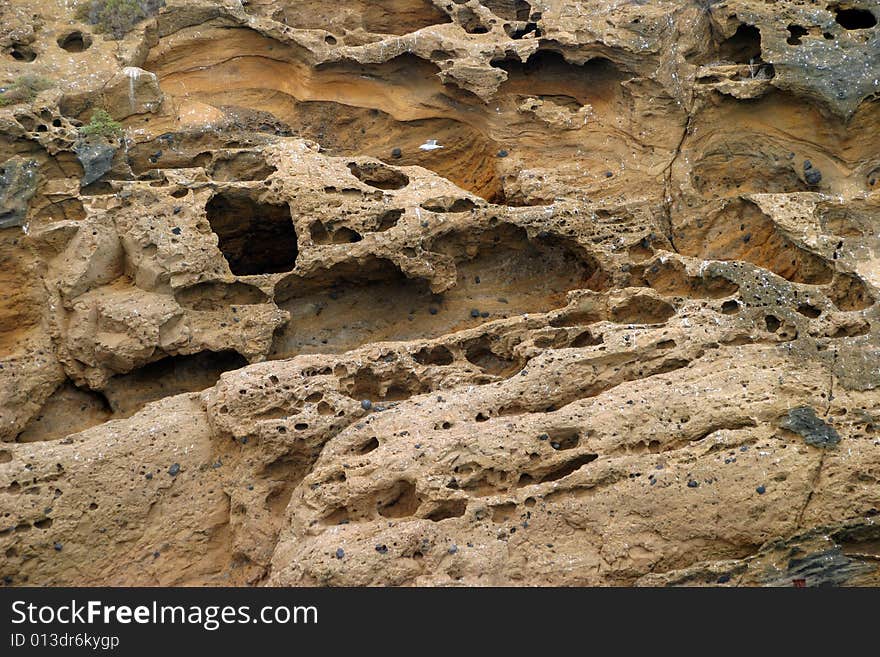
340,553
382,549
174,469
693,484
760,490
366,404
396,153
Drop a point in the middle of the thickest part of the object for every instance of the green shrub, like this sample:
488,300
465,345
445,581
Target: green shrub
101,125
116,17
25,89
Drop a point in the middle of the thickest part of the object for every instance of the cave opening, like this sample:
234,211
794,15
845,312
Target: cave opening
75,41
795,33
744,47
854,19
254,237
22,53
172,375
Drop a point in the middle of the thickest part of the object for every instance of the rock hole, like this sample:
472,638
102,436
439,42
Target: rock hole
255,238
378,175
795,32
480,353
22,53
367,447
470,21
730,307
172,375
448,204
642,309
564,469
808,310
744,47
503,512
772,323
336,517
522,30
438,355
399,501
587,339
75,41
854,19
563,438
68,410
388,220
848,292
446,509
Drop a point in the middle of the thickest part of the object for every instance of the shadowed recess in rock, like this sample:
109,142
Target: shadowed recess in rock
500,273
255,238
172,375
69,410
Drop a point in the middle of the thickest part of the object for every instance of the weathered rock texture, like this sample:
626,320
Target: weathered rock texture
621,329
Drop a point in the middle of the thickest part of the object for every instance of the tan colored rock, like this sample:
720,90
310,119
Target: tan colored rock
422,293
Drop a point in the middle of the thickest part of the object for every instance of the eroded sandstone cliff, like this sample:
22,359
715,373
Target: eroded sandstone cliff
621,328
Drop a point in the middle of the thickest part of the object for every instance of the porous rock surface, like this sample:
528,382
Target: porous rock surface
621,329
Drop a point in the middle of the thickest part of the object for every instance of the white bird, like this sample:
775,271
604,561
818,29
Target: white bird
430,145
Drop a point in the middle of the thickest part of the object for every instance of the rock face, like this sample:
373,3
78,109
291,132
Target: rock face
406,292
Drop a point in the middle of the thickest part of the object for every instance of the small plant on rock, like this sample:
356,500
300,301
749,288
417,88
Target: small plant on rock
102,125
116,17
